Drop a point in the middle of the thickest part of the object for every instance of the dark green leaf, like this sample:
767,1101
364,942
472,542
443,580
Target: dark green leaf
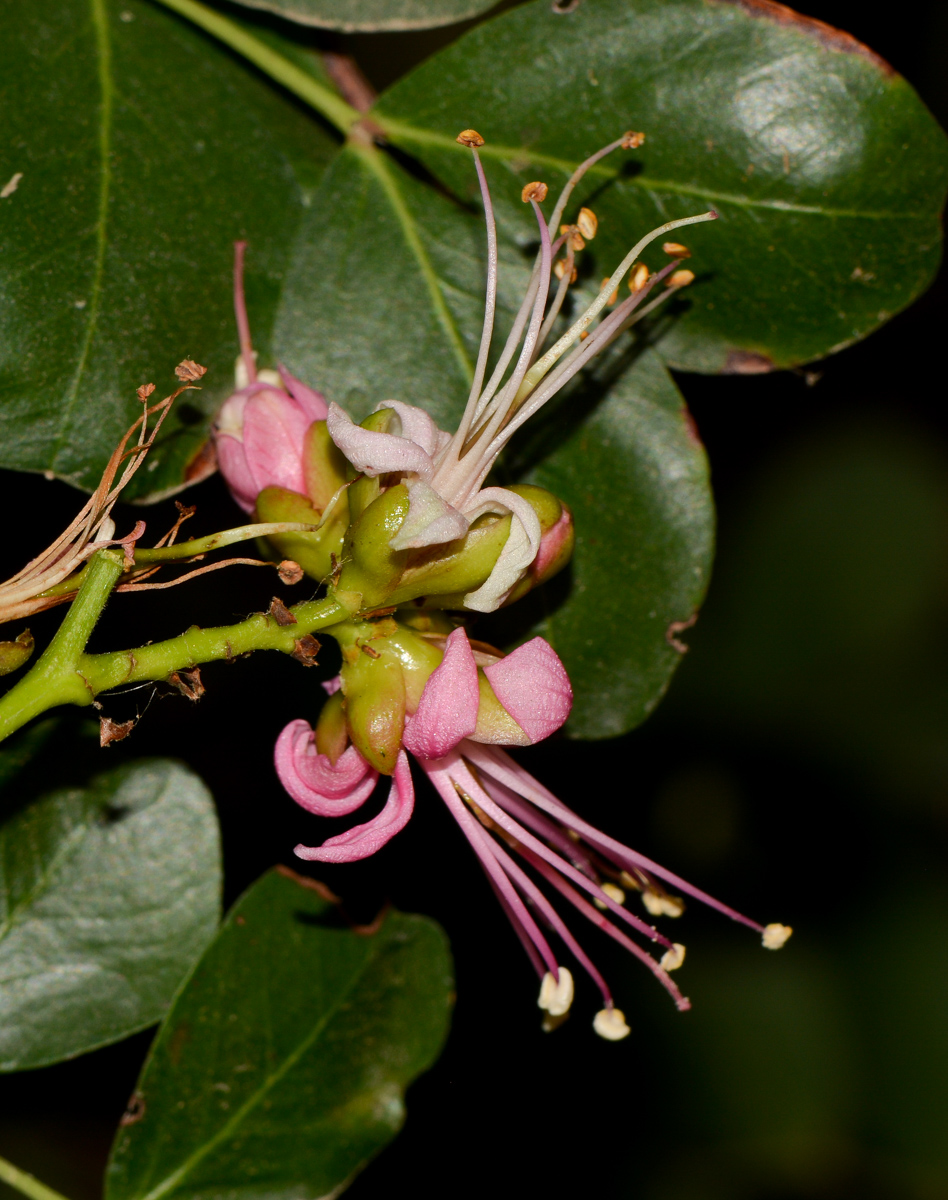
636,477
107,896
369,16
827,170
281,1068
145,150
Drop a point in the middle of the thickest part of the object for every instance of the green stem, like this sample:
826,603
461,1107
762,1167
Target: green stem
270,61
214,541
28,1184
54,679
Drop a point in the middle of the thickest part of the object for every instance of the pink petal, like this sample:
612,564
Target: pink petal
416,425
313,781
447,711
364,840
376,453
274,428
532,684
313,404
232,461
331,686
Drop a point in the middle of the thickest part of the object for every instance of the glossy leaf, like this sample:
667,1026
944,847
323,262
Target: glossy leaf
108,894
280,1069
636,478
827,170
144,151
372,16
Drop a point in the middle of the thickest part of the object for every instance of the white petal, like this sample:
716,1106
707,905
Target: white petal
376,453
416,425
430,520
519,550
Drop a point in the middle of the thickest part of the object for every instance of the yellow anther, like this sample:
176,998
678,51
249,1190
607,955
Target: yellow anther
610,1024
632,141
556,997
774,936
676,250
612,891
660,904
534,191
615,295
673,958
639,277
629,881
470,137
559,270
587,223
680,278
575,237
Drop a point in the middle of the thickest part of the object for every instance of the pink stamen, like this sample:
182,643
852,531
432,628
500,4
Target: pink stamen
489,305
240,311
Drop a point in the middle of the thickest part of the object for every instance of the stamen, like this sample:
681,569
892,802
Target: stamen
613,892
587,223
240,311
556,996
628,141
534,193
471,138
676,250
681,279
774,936
610,1024
660,904
638,278
672,959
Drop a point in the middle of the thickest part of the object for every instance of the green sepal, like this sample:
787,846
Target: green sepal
374,689
441,576
14,654
372,568
324,465
313,551
332,736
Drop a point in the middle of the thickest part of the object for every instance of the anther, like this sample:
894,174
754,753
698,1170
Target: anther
660,904
534,191
632,141
575,237
774,936
470,137
680,278
672,959
610,1024
639,277
556,997
559,270
676,250
614,892
615,295
587,223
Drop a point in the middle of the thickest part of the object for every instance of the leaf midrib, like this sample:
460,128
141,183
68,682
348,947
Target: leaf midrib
233,1123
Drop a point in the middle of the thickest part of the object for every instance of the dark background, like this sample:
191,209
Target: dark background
798,769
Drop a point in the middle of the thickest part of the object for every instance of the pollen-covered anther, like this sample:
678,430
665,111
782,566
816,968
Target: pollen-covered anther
556,996
680,278
774,936
559,270
587,223
534,191
660,904
639,277
575,237
632,140
614,892
676,250
672,959
615,295
470,137
610,1024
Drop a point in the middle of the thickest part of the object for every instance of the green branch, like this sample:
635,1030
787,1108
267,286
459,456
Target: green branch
28,1184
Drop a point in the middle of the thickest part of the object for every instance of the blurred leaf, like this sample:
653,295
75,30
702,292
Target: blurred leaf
636,477
281,1068
827,170
145,150
372,16
107,896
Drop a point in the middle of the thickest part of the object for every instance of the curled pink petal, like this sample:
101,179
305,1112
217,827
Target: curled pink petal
311,402
532,684
447,711
331,686
364,840
314,782
376,453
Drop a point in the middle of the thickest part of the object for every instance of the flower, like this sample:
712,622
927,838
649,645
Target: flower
509,818
445,474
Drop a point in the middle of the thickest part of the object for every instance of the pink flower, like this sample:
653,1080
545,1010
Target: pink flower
523,835
260,430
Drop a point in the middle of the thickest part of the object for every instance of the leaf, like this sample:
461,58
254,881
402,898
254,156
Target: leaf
635,475
107,896
145,150
826,169
373,16
280,1069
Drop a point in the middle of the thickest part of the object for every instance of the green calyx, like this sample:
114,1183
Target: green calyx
315,552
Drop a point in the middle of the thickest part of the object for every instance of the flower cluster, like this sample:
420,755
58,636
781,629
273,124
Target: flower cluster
409,529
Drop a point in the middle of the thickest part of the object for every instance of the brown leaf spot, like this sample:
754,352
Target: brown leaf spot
312,885
280,613
746,362
134,1111
188,371
677,627
188,683
305,650
114,731
826,35
290,572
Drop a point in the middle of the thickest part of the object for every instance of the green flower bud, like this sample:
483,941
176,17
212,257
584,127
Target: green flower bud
557,538
373,685
332,736
14,654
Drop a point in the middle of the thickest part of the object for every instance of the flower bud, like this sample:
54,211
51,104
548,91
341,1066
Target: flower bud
260,433
313,551
14,654
557,538
374,688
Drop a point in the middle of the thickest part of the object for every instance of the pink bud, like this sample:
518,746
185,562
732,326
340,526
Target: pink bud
447,710
556,547
532,685
259,434
313,781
